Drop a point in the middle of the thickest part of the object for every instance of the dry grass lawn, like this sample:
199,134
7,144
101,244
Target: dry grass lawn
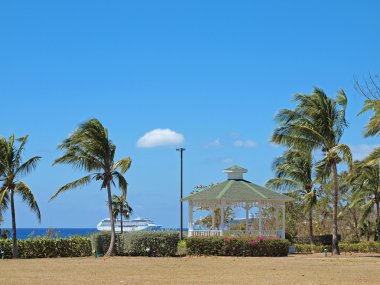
299,269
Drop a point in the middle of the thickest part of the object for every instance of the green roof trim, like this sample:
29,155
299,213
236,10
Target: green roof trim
235,167
237,190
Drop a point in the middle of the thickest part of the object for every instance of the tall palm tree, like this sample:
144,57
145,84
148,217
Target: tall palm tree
13,169
89,148
294,174
121,207
318,122
365,181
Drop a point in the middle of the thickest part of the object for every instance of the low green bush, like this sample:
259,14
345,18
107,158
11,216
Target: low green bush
361,247
144,243
318,239
307,248
237,246
46,247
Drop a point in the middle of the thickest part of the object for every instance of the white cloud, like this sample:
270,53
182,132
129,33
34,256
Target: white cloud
245,143
362,150
160,137
214,144
227,160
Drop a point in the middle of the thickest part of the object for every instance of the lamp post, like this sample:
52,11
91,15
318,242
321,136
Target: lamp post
181,150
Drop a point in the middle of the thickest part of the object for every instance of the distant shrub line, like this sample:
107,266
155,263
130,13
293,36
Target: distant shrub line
318,239
48,247
237,246
359,247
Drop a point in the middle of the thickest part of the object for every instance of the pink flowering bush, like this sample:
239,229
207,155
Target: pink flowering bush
237,246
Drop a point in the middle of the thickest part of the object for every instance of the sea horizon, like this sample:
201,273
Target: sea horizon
24,233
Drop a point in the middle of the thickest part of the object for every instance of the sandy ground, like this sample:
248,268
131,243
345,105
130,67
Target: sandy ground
296,269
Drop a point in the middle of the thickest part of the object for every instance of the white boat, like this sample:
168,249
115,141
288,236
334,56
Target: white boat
137,224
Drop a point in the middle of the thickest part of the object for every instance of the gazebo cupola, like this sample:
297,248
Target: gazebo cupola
235,172
238,192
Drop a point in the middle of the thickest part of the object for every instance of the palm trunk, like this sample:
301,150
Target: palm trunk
121,218
311,231
378,220
335,245
110,250
14,236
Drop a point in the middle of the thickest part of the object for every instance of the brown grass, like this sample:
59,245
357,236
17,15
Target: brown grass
299,269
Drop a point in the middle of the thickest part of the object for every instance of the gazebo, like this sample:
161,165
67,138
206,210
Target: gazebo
238,192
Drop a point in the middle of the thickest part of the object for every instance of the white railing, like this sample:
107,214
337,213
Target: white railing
208,233
205,233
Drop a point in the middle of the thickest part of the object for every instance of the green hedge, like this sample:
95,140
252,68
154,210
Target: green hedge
237,246
318,239
360,247
46,247
144,243
307,248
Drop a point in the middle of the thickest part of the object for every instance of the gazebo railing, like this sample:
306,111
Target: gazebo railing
208,233
205,233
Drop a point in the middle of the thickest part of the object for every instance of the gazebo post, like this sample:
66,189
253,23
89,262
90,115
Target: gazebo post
276,220
283,221
213,218
246,217
260,219
190,225
222,219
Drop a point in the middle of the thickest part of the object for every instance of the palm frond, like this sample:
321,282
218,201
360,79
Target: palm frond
123,164
27,196
123,184
69,186
28,166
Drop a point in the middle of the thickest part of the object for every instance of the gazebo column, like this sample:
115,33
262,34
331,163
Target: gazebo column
283,221
190,225
213,218
246,216
222,220
260,220
276,220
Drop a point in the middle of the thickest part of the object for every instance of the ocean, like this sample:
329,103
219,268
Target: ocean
23,233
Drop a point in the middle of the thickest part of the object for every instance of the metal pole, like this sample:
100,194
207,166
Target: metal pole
181,211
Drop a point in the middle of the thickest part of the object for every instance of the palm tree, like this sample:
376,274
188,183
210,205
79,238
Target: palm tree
365,181
89,148
294,174
121,207
12,170
318,122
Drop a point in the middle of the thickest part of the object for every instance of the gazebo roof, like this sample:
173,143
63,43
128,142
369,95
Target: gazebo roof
237,189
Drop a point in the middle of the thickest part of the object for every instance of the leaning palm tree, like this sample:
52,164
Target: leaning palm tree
89,148
13,169
294,174
318,122
121,207
365,181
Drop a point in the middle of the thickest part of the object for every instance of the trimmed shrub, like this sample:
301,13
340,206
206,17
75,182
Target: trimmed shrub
144,243
318,240
307,248
361,247
237,246
45,247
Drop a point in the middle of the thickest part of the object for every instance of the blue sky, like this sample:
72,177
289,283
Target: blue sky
215,72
